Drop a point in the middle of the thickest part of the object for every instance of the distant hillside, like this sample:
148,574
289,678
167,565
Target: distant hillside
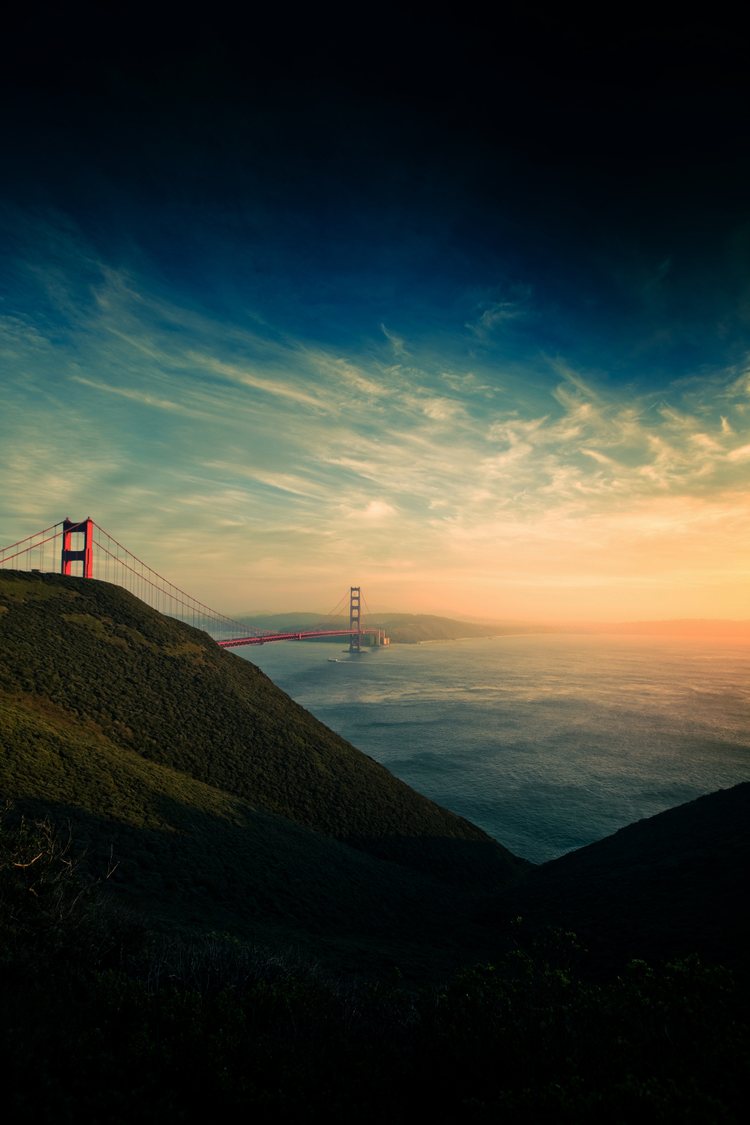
402,628
409,628
224,799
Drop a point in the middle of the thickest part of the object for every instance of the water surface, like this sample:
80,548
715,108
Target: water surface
547,742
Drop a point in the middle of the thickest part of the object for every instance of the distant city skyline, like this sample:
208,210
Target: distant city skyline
472,334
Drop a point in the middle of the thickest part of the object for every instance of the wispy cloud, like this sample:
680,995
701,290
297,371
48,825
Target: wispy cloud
494,314
398,344
739,455
246,377
132,395
233,454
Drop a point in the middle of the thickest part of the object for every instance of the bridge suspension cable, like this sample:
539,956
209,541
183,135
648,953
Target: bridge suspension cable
59,547
85,548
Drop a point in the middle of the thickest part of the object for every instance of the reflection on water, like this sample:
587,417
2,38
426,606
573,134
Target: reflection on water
546,742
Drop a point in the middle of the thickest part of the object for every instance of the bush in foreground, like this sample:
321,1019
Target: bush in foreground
100,1024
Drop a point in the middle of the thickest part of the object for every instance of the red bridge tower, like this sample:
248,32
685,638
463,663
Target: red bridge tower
84,554
355,640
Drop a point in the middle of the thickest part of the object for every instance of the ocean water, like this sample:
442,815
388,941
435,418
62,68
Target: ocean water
547,742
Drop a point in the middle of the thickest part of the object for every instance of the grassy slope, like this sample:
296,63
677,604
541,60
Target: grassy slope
192,856
225,802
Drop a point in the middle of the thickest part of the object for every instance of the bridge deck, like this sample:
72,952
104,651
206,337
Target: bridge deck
301,636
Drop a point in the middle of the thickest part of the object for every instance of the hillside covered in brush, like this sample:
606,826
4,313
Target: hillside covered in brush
226,804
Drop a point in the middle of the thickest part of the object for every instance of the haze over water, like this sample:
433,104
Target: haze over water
546,742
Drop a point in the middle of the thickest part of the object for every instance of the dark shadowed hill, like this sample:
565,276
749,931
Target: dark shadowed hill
667,886
226,803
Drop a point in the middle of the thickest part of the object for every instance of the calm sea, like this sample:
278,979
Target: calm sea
546,742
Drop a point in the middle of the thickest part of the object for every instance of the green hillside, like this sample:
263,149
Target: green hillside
227,805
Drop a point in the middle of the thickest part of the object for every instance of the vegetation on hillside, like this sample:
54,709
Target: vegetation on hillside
229,807
108,665
101,1023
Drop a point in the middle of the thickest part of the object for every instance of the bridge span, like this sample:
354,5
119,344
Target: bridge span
83,547
378,635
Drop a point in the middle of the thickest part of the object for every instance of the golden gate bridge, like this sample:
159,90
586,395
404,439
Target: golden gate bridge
85,549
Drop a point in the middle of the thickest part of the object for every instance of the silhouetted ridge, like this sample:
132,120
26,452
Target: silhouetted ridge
667,886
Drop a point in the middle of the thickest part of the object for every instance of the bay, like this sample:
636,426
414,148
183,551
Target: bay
547,742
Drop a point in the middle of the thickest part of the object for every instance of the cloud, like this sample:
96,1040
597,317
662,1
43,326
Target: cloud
141,397
287,482
495,314
469,385
441,409
740,454
397,342
601,458
341,371
378,510
272,386
234,455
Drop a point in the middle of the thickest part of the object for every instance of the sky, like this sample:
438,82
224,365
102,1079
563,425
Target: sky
459,316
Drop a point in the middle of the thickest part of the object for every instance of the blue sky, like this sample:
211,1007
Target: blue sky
480,346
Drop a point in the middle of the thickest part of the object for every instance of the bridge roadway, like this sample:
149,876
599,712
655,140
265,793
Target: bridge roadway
261,640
